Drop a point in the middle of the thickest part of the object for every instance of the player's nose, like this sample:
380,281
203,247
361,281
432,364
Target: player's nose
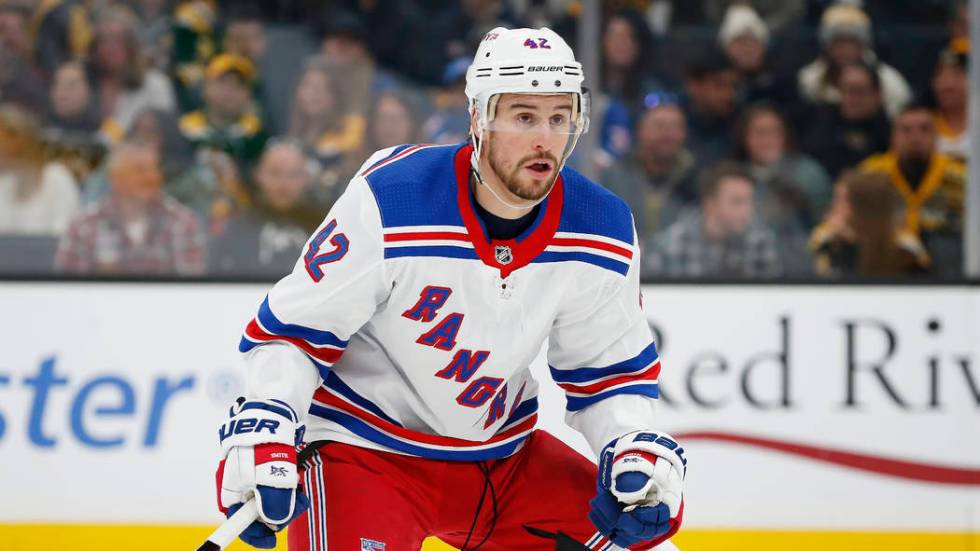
541,141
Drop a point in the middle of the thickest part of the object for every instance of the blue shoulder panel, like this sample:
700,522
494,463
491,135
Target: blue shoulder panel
592,209
416,186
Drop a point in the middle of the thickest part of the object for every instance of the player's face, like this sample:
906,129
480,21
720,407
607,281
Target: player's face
526,139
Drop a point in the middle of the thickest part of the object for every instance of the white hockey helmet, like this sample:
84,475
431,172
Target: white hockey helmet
524,61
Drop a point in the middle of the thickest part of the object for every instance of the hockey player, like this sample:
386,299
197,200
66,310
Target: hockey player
401,343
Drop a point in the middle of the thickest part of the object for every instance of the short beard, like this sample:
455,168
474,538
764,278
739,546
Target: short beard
528,190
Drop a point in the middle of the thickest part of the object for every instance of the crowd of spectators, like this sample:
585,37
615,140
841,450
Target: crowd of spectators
752,139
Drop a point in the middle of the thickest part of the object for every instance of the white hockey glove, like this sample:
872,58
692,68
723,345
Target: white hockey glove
639,499
258,446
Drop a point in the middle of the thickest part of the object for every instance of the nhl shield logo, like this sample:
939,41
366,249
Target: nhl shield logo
372,545
503,254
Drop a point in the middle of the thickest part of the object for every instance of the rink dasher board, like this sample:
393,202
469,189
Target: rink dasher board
767,382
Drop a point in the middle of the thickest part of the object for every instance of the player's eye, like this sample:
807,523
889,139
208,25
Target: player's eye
526,118
557,120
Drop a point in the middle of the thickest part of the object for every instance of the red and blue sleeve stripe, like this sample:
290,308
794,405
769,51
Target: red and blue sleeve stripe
322,347
334,383
586,386
621,268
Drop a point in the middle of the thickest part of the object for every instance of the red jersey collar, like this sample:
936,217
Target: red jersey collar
494,252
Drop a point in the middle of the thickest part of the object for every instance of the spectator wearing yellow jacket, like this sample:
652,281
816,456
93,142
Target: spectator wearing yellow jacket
931,184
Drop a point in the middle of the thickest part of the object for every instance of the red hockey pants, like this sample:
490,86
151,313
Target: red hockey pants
365,500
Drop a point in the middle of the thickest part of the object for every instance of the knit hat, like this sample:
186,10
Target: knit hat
845,21
230,63
741,20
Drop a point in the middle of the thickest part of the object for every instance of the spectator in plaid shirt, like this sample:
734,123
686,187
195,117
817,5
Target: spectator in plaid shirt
137,228
721,239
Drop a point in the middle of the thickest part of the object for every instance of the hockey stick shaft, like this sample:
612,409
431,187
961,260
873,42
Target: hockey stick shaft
231,528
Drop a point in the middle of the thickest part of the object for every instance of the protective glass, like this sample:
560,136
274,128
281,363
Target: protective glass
530,122
556,123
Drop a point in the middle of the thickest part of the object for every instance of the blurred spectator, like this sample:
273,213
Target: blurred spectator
791,188
393,123
72,108
657,179
555,14
62,31
36,197
932,186
843,135
227,122
744,39
625,80
345,48
390,21
193,46
779,15
244,32
124,85
615,129
20,81
626,50
244,35
72,123
845,35
950,89
233,195
710,106
721,239
154,25
137,229
320,118
662,16
862,234
451,121
267,239
191,183
456,28
959,22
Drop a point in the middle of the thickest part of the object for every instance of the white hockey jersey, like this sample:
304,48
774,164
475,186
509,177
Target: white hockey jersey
403,327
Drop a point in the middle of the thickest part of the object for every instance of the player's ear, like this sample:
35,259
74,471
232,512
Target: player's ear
473,119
